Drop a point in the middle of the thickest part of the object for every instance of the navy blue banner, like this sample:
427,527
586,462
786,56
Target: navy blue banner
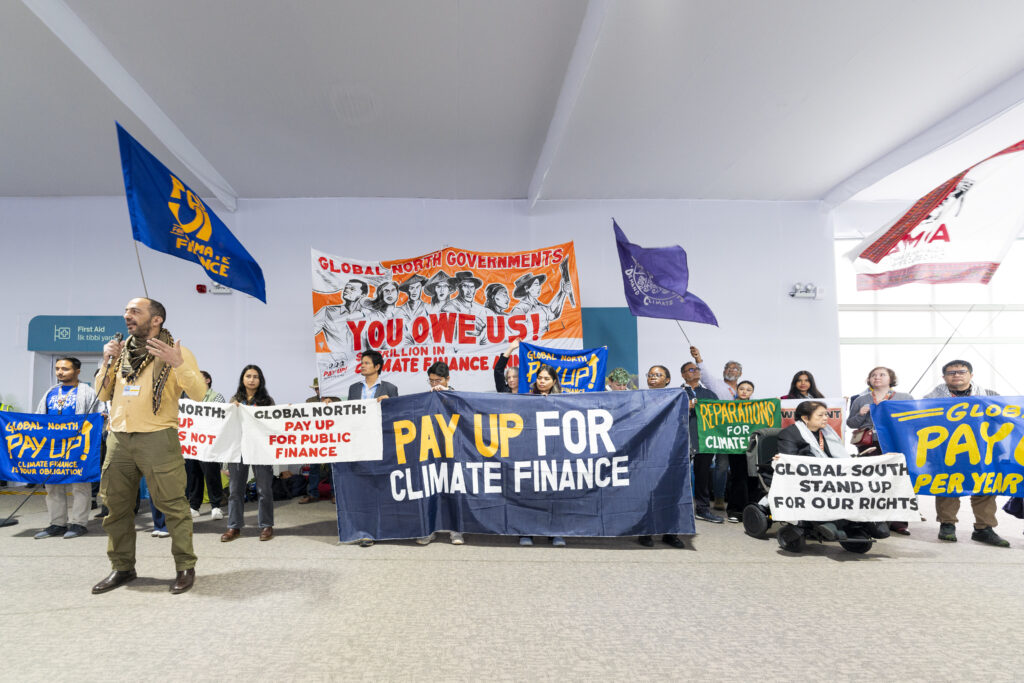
168,217
50,449
957,446
578,371
614,463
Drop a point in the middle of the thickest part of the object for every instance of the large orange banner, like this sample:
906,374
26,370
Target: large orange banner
452,305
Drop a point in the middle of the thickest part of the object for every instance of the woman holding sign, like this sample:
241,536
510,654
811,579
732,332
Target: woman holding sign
545,385
252,391
737,494
881,381
506,379
438,376
811,434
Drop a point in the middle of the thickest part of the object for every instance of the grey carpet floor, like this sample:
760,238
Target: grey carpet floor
728,608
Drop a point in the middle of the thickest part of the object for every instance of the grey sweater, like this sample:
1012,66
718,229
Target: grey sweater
942,391
858,421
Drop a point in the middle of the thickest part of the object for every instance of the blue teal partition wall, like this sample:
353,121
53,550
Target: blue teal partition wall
616,329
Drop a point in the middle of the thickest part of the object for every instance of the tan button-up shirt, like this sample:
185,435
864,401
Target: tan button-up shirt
135,413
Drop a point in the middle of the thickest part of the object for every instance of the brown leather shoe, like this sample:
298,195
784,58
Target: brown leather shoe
114,580
183,581
266,533
307,499
230,535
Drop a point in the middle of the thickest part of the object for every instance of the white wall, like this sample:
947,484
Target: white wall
75,256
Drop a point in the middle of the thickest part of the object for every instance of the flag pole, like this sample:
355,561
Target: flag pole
944,345
684,333
139,261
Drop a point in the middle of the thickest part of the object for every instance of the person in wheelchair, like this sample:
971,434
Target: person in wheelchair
811,435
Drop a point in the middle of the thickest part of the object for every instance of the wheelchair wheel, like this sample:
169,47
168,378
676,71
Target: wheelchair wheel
857,545
755,521
791,539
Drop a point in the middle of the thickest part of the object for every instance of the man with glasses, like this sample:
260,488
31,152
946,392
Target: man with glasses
701,461
958,376
725,389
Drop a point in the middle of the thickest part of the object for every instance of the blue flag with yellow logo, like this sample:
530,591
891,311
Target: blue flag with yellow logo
167,216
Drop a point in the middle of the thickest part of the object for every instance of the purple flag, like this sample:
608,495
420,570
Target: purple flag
655,281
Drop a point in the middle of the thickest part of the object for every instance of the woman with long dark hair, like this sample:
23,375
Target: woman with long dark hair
252,391
545,384
803,386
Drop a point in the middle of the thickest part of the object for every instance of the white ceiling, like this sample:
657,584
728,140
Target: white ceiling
744,99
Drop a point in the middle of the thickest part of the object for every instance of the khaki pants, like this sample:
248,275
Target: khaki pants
57,503
984,510
157,457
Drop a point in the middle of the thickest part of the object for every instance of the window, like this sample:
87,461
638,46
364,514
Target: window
905,327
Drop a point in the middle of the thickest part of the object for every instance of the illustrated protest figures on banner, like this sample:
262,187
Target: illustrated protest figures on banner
452,305
970,446
866,489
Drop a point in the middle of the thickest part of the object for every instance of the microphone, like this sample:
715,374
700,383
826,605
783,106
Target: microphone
106,365
117,337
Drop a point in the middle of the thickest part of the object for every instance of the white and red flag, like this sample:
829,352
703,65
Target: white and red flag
958,232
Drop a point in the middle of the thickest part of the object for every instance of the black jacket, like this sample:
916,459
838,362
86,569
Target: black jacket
792,443
500,385
700,392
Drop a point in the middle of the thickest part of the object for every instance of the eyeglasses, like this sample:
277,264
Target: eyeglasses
954,373
692,370
435,382
655,375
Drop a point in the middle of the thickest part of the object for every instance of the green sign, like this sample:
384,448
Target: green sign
726,426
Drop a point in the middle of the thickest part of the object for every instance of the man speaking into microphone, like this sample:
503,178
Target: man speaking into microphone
143,378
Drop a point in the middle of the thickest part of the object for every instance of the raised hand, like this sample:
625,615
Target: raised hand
165,352
112,349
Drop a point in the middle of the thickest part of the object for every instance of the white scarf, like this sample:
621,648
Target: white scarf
835,444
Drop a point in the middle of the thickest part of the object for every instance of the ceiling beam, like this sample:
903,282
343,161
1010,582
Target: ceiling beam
572,84
84,44
961,123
